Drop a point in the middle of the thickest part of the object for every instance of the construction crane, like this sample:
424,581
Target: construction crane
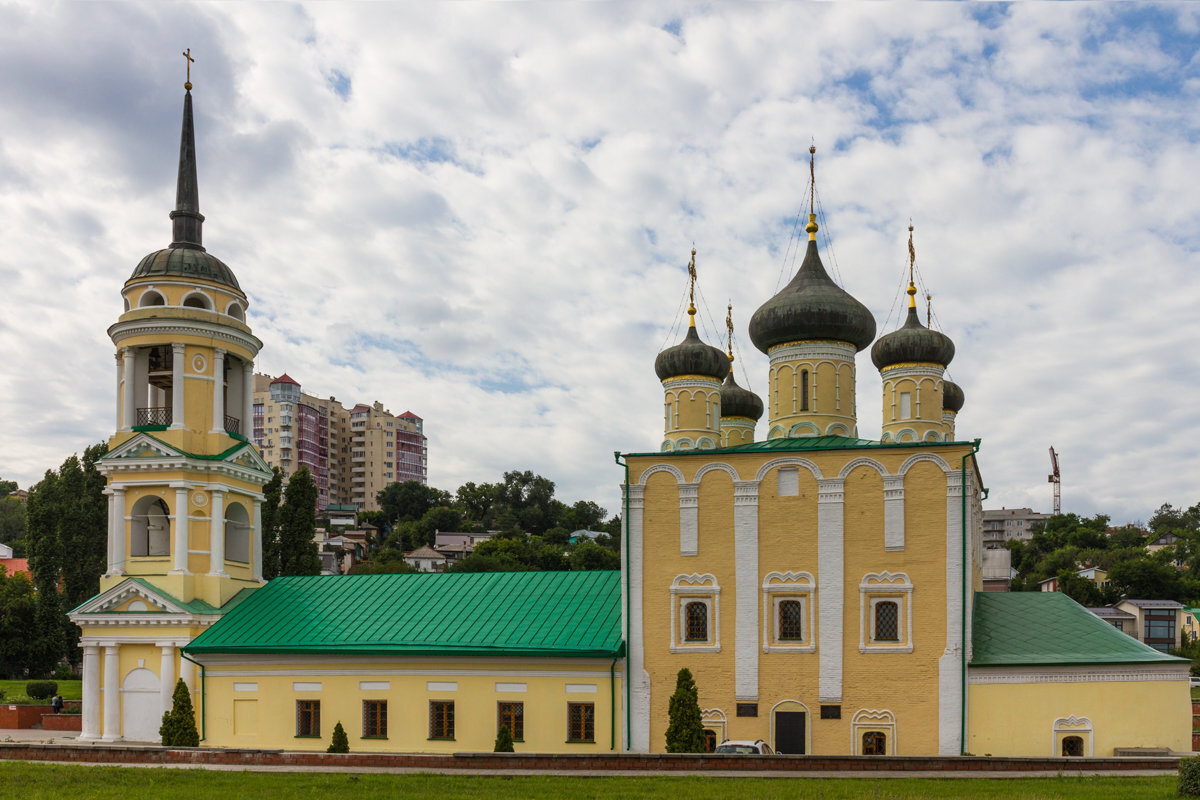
1056,479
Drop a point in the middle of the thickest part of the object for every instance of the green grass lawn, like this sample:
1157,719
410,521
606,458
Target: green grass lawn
14,691
31,781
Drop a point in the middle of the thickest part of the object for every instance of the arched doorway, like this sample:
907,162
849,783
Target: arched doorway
789,727
141,706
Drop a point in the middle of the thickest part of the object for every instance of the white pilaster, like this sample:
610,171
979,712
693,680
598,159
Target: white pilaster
178,351
91,693
182,509
746,590
248,400
166,675
118,532
256,556
112,526
187,673
120,392
632,601
689,519
218,402
950,665
129,371
831,581
893,512
112,694
216,543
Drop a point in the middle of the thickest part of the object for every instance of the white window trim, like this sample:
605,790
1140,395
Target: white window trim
689,589
714,718
1071,726
868,720
779,586
878,587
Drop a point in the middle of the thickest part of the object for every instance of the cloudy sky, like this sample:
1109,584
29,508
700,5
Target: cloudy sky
482,212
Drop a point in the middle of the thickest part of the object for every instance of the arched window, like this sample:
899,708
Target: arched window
791,620
696,625
197,300
150,528
151,298
710,740
887,617
1072,746
874,743
235,310
237,534
804,390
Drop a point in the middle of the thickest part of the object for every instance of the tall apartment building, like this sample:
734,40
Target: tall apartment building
352,453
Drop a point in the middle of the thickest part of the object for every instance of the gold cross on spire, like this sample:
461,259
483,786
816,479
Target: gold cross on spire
912,260
729,327
692,288
188,55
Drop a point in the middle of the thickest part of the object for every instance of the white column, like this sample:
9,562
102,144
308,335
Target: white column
216,544
689,519
129,370
631,568
112,526
91,692
166,675
950,688
218,424
831,581
112,693
177,353
248,400
187,673
256,555
746,590
180,546
118,533
120,393
893,512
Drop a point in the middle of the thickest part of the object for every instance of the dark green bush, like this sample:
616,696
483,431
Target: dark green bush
341,742
685,732
63,672
41,690
1189,777
179,724
504,742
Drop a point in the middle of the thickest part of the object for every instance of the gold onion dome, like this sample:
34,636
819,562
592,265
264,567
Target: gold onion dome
739,402
952,397
812,307
691,357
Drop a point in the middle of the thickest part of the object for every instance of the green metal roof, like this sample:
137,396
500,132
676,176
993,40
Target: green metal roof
804,443
1049,628
568,614
194,606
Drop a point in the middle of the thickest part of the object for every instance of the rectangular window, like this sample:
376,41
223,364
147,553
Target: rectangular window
905,405
512,715
441,719
308,718
1159,628
791,621
886,621
696,615
375,719
581,722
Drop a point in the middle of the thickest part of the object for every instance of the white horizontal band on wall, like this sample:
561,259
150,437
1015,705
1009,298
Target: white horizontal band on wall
441,686
298,686
510,687
374,686
245,687
581,687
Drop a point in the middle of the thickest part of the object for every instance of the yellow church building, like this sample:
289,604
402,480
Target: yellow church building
823,589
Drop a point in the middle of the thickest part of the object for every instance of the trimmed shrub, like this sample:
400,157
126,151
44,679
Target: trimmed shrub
179,724
341,742
63,672
41,690
1189,776
685,732
504,742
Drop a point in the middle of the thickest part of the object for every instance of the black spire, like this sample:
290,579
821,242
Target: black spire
186,218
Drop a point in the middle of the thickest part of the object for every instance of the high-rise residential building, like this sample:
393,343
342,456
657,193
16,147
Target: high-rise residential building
352,453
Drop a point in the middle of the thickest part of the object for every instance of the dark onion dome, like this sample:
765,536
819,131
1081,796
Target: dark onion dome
912,343
691,357
952,397
185,262
739,402
812,307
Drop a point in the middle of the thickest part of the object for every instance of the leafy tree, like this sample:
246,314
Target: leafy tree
297,526
685,732
477,500
590,555
18,610
7,488
272,494
388,560
584,515
1147,579
504,740
12,523
408,501
341,742
178,727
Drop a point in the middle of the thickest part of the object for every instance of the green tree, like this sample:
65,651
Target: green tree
385,561
685,732
408,501
272,494
178,727
504,740
340,742
18,612
12,520
297,526
7,488
590,555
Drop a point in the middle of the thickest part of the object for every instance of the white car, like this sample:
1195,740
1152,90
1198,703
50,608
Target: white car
745,747
1194,682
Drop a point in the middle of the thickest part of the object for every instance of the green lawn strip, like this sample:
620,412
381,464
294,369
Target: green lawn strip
14,691
32,781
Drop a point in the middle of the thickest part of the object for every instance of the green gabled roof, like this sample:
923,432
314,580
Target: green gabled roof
568,614
196,606
1049,628
805,443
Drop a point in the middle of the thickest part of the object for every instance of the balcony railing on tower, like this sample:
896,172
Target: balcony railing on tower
233,424
155,415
